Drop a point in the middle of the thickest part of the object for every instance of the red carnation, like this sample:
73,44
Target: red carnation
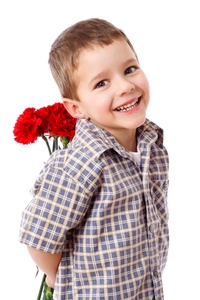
43,113
25,129
61,123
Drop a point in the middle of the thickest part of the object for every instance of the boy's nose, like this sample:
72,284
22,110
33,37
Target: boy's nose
124,86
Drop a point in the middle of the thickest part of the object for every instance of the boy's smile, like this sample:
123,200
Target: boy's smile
128,106
113,90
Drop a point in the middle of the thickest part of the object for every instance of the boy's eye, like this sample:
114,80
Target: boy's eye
101,83
130,70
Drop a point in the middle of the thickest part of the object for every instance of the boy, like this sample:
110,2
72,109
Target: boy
97,225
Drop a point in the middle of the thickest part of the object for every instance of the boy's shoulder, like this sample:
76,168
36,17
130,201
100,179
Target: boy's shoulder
81,159
90,140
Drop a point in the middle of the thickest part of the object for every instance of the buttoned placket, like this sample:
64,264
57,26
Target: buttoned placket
152,225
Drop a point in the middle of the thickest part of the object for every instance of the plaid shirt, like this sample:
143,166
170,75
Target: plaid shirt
105,213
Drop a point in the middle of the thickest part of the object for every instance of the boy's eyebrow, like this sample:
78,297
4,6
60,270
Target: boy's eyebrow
98,76
131,61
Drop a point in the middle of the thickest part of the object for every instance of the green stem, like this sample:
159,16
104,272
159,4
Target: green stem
41,287
47,143
55,143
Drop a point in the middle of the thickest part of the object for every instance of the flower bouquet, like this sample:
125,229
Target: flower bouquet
56,127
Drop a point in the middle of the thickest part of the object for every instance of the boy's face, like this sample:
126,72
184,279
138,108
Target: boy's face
112,89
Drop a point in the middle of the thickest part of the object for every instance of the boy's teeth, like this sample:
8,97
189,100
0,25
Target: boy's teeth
127,107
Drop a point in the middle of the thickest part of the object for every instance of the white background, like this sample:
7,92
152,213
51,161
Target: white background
165,35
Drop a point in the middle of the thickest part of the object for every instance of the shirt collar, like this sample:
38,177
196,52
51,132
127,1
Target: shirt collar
149,133
91,136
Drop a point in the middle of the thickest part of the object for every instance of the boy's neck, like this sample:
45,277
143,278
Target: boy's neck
128,141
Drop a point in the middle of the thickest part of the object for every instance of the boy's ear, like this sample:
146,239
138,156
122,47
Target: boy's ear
73,108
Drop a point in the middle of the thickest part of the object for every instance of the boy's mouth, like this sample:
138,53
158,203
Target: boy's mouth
129,106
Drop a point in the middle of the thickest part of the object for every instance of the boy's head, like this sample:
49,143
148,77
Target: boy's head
64,53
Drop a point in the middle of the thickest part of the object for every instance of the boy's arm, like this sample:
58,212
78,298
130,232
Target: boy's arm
46,262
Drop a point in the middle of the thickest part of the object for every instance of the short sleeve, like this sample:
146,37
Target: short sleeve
59,203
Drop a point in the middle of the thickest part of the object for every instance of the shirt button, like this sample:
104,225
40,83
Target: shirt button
151,228
155,273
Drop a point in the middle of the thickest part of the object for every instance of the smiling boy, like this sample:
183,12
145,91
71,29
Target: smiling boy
98,221
113,93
